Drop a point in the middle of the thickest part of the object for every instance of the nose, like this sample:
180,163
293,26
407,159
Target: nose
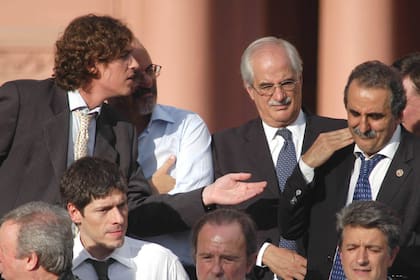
364,125
133,63
278,94
362,256
217,268
117,216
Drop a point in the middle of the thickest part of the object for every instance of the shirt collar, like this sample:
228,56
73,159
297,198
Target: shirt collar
389,149
76,101
159,113
296,127
121,255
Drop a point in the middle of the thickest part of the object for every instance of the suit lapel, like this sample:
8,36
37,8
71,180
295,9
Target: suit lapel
105,141
56,130
258,153
398,171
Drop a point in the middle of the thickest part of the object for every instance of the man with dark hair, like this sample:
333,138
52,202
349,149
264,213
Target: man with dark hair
48,124
380,166
224,245
36,242
368,237
409,67
94,192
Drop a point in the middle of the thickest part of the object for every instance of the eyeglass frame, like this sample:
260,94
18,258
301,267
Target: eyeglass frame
152,70
273,87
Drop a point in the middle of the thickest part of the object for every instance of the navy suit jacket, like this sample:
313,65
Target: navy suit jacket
245,149
312,212
34,125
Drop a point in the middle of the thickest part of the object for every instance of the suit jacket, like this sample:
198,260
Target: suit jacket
311,213
34,125
245,149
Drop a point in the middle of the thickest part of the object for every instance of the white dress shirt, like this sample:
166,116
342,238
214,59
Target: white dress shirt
135,260
76,102
379,171
173,131
275,143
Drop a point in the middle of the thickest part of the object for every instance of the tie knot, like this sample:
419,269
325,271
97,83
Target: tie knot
285,133
374,160
101,267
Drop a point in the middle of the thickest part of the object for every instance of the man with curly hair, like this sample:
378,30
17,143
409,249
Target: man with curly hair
46,125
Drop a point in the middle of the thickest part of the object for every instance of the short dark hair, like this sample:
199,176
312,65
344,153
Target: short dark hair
375,74
44,229
88,40
370,214
90,178
409,66
227,216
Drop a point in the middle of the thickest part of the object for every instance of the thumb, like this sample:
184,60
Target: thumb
168,163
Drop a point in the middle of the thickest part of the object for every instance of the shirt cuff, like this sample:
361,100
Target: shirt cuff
307,171
260,255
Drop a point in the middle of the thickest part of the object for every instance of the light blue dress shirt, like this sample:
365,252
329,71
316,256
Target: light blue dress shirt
173,131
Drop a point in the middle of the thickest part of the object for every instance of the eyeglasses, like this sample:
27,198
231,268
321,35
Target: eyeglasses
153,70
267,89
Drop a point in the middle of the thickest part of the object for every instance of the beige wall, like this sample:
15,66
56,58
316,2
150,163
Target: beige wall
199,44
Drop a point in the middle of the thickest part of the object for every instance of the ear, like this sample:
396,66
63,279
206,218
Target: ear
75,215
250,90
393,255
32,262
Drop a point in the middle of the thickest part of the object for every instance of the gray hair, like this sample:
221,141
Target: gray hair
45,230
370,214
246,67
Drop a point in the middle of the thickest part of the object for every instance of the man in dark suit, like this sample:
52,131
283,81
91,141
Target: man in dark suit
40,128
374,99
271,70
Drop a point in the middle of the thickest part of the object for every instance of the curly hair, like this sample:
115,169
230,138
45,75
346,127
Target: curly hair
88,40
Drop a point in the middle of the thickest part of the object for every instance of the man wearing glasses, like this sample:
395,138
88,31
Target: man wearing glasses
174,145
270,145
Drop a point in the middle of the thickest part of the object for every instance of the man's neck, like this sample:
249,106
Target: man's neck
92,100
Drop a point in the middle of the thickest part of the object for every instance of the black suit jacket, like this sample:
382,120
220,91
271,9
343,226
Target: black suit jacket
312,212
245,149
34,125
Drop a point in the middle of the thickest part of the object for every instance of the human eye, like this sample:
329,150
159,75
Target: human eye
376,116
288,84
266,88
354,113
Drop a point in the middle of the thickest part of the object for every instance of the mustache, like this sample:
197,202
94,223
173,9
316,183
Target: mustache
285,101
366,135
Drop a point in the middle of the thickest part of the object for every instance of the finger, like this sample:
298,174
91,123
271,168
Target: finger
240,176
168,163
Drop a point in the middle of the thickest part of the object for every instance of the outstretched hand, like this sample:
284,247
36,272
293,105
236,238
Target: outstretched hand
325,145
161,181
230,189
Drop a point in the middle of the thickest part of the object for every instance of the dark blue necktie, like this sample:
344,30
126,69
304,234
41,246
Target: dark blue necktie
286,162
361,192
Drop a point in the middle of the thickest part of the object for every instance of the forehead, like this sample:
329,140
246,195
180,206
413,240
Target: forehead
368,99
361,235
8,232
270,58
114,197
230,234
142,56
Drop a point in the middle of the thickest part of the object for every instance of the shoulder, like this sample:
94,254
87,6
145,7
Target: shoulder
249,127
325,123
178,114
148,249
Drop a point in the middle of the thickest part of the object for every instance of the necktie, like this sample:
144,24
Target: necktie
361,192
81,144
286,162
101,267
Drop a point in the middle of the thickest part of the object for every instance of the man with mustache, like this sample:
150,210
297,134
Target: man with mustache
173,139
374,99
94,193
271,70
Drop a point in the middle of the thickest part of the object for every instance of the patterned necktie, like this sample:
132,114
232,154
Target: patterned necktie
286,162
361,192
81,144
101,267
